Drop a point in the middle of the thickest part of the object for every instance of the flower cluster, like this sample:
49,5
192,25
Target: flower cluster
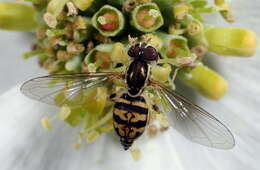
75,36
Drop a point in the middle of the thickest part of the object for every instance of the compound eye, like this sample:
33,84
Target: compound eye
150,54
134,51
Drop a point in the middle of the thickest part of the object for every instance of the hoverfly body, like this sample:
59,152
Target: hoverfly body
130,113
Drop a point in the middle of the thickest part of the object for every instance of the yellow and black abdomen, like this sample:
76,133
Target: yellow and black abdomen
130,118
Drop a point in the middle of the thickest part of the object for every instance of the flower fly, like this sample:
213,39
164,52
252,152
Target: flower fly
131,108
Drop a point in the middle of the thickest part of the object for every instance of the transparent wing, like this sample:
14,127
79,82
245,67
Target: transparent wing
63,88
195,123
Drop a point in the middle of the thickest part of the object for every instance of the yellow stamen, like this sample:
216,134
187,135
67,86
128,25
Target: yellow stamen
136,154
92,136
77,146
102,20
154,13
46,123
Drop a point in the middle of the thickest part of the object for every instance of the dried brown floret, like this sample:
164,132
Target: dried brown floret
41,33
72,10
53,41
50,52
132,40
102,39
90,46
184,61
129,5
84,68
77,146
80,23
74,48
152,130
199,50
136,154
50,20
164,128
63,55
62,16
50,65
35,46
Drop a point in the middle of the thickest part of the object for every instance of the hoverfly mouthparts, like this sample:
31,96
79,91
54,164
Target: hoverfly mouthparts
143,51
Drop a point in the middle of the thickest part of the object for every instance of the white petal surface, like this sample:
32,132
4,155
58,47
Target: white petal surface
24,145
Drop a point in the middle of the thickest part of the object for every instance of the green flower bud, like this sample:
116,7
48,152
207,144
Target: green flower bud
83,4
206,81
17,17
231,41
180,10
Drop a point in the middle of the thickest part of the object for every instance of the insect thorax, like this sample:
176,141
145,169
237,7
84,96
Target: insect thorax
136,77
130,117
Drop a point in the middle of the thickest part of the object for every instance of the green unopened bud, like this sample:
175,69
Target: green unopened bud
231,41
83,4
196,34
219,2
17,17
73,64
206,81
224,10
55,7
180,10
194,27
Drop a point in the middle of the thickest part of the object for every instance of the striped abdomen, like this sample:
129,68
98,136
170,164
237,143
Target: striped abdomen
130,118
